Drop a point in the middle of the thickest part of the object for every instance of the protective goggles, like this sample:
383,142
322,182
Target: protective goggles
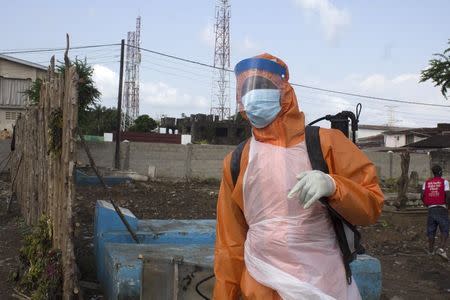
257,73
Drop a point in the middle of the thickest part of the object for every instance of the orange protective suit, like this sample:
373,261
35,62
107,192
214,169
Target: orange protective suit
358,197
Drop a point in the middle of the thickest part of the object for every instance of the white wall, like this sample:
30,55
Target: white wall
395,140
11,120
15,70
417,138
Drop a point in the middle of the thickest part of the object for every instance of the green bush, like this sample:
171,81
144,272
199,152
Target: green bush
390,184
43,276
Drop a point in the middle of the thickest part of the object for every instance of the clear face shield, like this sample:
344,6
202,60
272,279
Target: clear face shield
258,93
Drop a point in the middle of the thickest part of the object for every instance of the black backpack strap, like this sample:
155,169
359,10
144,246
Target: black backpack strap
236,161
315,154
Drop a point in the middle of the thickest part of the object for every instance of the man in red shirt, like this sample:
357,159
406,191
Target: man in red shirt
436,195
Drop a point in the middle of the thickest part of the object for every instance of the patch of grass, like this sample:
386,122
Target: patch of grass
384,223
390,185
203,142
42,278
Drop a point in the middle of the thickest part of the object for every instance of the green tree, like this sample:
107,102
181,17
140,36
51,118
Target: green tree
439,71
143,123
34,91
88,94
100,119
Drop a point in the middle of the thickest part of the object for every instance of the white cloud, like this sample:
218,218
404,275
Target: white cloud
156,98
332,19
249,44
207,35
107,82
375,81
405,87
406,78
246,46
166,99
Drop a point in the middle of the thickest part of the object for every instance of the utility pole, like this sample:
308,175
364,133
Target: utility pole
119,107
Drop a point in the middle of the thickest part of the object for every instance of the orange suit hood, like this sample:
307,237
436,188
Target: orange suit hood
288,127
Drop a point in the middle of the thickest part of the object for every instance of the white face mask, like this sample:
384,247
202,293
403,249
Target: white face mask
262,106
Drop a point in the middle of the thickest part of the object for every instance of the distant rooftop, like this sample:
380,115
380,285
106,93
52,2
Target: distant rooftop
436,141
23,62
380,127
422,131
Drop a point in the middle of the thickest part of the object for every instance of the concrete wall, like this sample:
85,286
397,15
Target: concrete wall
170,160
442,158
205,161
388,164
421,164
102,153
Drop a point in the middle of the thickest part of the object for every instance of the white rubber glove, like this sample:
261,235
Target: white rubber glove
311,186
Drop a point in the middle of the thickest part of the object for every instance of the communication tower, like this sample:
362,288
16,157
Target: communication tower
130,103
220,100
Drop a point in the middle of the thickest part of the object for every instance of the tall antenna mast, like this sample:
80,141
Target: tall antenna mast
391,115
130,104
220,100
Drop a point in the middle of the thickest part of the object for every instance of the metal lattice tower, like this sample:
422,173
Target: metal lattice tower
130,104
391,115
220,102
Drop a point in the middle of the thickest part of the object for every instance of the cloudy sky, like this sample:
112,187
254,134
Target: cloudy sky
370,47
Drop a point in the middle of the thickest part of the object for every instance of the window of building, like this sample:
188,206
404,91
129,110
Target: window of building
221,132
12,91
409,138
12,115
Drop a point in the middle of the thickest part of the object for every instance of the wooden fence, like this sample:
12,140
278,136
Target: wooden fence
43,162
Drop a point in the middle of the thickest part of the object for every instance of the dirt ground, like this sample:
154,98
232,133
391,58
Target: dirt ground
10,241
397,239
152,200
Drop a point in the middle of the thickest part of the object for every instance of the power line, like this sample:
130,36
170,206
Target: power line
181,59
228,70
302,85
368,97
204,75
58,49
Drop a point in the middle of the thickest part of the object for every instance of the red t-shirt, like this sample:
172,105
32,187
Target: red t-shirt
434,191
